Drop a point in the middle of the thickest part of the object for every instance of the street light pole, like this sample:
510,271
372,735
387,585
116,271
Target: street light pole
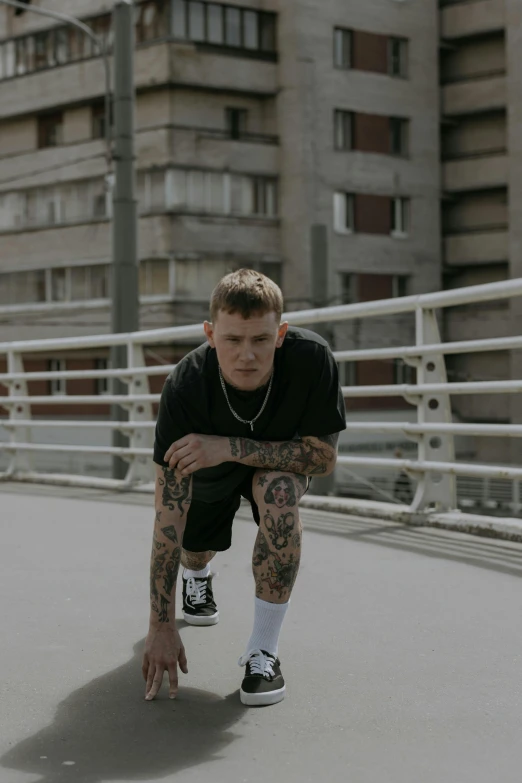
124,293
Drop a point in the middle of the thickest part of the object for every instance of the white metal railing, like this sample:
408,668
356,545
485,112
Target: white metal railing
435,467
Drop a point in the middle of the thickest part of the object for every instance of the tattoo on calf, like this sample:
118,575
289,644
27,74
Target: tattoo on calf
281,576
279,531
175,491
261,550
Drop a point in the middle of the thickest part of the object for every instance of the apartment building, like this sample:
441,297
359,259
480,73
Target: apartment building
481,100
256,120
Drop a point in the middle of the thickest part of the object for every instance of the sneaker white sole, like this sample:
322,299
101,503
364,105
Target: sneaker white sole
262,699
194,620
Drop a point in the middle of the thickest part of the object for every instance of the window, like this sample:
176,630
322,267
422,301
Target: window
344,208
154,277
347,373
20,11
62,45
103,385
196,21
267,37
399,136
362,287
216,33
60,285
236,121
398,57
342,48
264,196
151,21
233,26
22,287
343,130
98,120
250,30
348,295
50,130
179,18
403,373
57,385
400,216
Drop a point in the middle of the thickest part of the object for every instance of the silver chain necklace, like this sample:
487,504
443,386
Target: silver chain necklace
244,421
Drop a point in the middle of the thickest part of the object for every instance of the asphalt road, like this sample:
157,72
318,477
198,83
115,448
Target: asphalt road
401,653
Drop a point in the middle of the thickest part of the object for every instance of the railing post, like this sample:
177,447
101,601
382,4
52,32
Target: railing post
18,388
433,489
140,469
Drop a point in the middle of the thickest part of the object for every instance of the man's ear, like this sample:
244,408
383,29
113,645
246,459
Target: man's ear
282,334
209,331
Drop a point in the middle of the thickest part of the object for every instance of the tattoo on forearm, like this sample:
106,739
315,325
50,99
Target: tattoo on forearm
164,569
296,456
279,531
170,533
175,491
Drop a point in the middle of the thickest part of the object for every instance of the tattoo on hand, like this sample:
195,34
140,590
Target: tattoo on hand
175,491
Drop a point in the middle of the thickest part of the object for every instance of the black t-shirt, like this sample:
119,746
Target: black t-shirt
305,399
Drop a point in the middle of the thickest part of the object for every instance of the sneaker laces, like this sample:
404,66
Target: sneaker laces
197,590
260,663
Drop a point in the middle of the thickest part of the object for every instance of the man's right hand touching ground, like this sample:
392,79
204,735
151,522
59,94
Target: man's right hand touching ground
163,651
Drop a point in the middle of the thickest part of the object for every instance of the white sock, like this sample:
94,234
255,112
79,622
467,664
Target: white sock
187,573
268,619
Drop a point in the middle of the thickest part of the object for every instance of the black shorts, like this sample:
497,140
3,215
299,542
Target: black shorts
209,525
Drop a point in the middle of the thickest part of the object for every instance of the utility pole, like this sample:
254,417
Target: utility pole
124,290
320,297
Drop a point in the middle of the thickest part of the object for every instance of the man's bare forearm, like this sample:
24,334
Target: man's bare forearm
172,501
308,456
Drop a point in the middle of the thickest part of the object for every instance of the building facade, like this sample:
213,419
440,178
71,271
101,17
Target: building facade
256,121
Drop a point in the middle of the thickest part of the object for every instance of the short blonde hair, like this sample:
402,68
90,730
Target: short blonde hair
246,292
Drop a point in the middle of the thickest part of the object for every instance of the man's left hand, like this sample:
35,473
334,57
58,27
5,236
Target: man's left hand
194,452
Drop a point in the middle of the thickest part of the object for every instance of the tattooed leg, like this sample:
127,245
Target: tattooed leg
277,550
196,561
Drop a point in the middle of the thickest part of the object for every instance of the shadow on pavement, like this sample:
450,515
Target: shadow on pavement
501,556
111,733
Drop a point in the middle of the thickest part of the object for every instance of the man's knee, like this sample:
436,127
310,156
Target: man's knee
278,488
196,561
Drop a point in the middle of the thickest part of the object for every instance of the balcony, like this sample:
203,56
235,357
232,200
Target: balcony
480,247
477,173
478,95
156,64
467,19
218,150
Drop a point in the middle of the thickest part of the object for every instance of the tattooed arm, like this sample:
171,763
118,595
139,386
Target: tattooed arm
311,456
172,501
164,649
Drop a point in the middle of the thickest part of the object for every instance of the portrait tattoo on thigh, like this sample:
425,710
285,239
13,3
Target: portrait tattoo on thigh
281,492
279,531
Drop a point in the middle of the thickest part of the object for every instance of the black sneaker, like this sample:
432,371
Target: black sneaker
263,682
199,607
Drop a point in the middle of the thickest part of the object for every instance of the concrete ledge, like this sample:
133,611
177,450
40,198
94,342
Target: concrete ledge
508,528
